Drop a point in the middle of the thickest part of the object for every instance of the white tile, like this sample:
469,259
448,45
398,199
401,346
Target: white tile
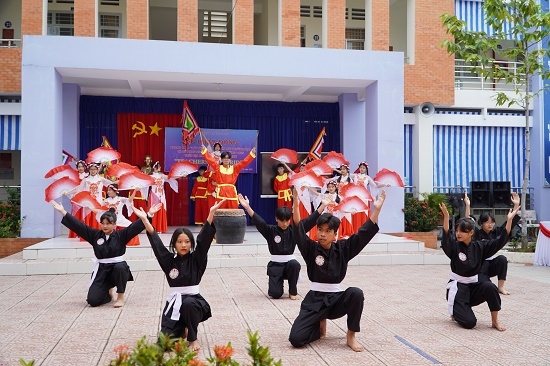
240,249
152,265
375,259
138,252
137,264
215,249
13,269
85,252
56,253
407,259
436,259
375,247
262,261
404,247
46,268
80,267
214,263
30,253
238,262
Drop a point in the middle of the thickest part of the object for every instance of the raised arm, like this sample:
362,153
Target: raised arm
511,214
243,200
58,207
467,204
443,208
378,206
295,206
143,216
213,209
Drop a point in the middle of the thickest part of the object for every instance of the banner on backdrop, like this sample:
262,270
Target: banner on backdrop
237,142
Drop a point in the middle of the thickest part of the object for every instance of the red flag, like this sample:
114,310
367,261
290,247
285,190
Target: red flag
189,126
317,147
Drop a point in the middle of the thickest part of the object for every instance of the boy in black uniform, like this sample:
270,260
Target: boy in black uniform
327,263
283,265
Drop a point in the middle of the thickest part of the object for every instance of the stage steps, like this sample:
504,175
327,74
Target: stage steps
62,255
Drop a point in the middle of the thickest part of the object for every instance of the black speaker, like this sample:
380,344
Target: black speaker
501,194
481,195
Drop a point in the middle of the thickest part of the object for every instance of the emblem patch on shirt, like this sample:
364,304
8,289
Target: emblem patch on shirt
100,241
174,273
319,260
462,256
277,239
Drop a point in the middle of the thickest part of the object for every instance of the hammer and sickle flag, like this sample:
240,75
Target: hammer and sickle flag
189,126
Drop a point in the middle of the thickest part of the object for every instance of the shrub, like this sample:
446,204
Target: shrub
420,216
10,214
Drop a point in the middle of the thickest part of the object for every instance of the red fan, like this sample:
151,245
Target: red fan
117,170
286,155
335,160
319,167
307,178
135,180
354,190
60,186
351,204
102,154
386,176
182,168
63,171
85,199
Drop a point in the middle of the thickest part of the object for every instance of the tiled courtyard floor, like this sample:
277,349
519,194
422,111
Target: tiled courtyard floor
405,320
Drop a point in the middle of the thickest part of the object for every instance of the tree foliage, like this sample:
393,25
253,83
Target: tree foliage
529,25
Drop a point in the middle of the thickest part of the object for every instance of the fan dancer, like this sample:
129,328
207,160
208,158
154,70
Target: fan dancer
343,179
332,200
109,245
157,195
362,178
226,175
184,265
76,210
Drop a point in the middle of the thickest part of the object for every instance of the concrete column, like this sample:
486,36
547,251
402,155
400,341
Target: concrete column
137,23
85,15
70,118
289,23
336,24
243,22
188,26
423,148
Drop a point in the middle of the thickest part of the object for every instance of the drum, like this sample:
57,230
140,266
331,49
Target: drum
230,225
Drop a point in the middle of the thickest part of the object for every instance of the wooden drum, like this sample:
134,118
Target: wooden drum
230,225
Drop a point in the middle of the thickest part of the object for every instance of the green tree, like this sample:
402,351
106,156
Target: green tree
529,25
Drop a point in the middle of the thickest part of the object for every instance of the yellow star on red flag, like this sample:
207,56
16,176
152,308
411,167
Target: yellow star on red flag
155,129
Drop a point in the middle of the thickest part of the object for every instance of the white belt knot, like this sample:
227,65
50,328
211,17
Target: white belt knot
174,299
452,286
325,287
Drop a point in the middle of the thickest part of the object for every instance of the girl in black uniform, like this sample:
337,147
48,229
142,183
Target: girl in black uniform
183,266
327,264
109,247
497,266
467,286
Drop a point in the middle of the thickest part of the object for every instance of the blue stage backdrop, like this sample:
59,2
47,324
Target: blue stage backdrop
280,124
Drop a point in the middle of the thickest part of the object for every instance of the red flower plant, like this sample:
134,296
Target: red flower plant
223,353
122,352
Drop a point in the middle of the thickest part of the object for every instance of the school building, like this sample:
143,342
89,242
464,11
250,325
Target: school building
402,103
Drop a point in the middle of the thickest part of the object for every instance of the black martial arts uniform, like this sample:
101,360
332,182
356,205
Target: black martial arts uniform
467,286
497,266
107,275
280,243
328,267
185,307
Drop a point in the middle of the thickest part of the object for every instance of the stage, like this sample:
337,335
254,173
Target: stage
61,255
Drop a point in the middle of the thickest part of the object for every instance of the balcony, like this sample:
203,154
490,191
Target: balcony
10,43
467,79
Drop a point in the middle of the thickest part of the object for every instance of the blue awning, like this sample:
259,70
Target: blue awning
472,12
10,132
472,153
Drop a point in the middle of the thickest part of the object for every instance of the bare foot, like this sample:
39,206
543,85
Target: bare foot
113,294
185,333
498,327
352,342
323,328
293,297
119,301
503,291
195,346
452,318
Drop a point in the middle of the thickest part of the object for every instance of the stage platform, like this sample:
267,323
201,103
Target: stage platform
62,255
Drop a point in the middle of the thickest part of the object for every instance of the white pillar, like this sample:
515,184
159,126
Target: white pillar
423,152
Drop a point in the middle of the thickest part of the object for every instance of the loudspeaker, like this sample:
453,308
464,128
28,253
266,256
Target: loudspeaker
427,109
481,195
501,194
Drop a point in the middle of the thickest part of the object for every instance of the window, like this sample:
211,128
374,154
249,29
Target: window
216,27
302,36
305,11
355,38
109,26
356,14
317,11
61,24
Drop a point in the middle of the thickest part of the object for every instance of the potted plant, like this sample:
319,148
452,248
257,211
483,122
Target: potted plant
422,217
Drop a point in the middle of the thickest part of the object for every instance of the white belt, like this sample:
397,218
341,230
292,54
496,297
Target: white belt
103,260
282,258
325,287
453,287
174,299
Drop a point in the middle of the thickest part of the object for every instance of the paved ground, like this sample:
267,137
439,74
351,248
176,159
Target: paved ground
405,321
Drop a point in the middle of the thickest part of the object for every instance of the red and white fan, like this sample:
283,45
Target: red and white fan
352,205
118,169
335,159
135,180
61,171
354,190
102,154
286,156
319,167
59,187
182,168
307,178
386,176
85,199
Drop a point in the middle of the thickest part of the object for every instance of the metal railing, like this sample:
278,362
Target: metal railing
467,79
10,43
